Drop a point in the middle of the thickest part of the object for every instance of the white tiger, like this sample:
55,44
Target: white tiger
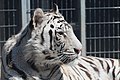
47,49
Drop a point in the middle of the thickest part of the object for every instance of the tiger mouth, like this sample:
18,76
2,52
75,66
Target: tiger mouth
64,58
64,54
69,57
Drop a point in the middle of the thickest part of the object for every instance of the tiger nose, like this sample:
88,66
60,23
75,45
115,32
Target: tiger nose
77,50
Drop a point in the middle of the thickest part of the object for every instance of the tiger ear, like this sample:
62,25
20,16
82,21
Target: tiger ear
55,8
38,15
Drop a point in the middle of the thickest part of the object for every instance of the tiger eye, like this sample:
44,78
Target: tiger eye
61,33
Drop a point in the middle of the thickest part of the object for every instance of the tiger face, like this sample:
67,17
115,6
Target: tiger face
53,40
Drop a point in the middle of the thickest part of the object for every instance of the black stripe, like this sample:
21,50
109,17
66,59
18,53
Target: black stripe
88,61
112,61
75,70
50,34
101,62
60,21
89,58
53,71
61,25
87,73
57,17
118,73
108,67
95,68
62,46
70,77
57,74
42,38
81,66
49,20
80,73
113,73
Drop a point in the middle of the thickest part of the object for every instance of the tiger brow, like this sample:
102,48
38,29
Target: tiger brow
60,21
56,17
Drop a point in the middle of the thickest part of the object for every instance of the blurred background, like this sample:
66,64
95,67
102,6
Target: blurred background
96,23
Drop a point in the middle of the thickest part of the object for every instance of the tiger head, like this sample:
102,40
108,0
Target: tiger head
52,39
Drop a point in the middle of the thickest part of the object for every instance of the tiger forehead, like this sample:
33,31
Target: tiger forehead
57,21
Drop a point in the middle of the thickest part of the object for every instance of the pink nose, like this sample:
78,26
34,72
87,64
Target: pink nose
77,50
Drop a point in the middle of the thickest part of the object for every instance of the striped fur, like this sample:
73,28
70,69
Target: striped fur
92,68
47,49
